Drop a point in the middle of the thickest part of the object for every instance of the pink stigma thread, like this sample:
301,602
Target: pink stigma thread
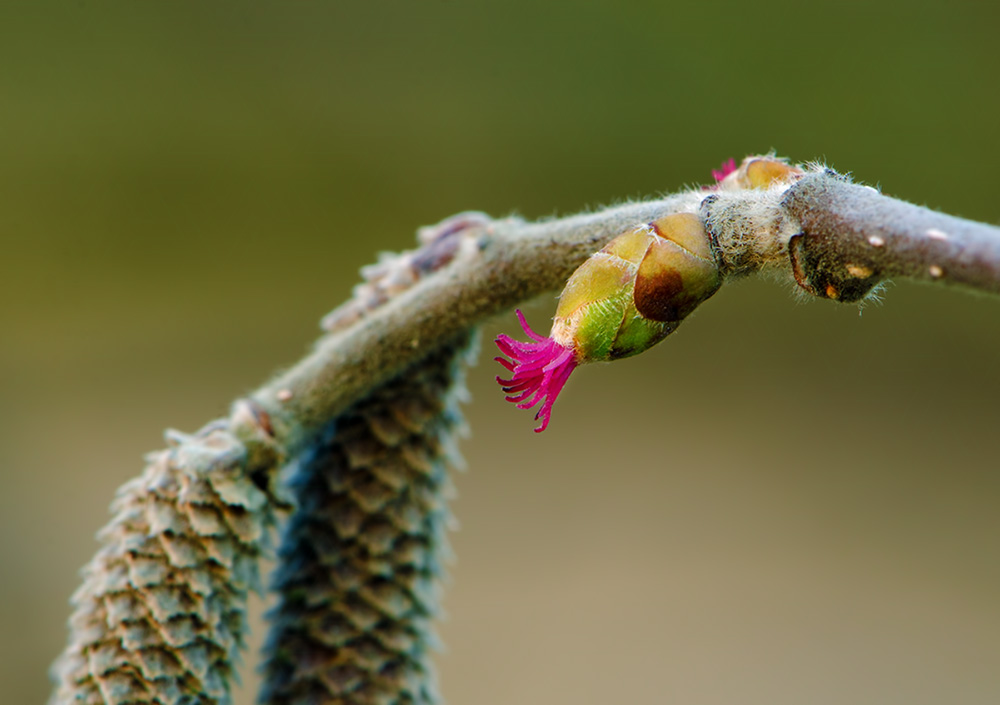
538,370
724,170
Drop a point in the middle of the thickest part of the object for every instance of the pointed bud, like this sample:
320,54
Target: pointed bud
763,172
757,172
623,300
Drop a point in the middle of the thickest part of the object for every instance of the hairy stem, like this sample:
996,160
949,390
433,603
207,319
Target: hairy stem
852,237
498,265
837,238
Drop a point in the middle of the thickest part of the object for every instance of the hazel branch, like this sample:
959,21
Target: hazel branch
838,239
492,266
852,237
160,615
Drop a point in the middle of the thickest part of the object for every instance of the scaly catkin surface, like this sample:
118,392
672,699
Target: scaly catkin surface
160,617
362,555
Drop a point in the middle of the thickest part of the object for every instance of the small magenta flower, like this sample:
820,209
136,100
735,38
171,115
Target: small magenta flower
727,168
623,300
538,369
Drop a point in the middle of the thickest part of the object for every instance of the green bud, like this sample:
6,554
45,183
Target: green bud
637,289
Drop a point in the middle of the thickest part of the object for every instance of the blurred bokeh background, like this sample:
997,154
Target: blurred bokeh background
786,502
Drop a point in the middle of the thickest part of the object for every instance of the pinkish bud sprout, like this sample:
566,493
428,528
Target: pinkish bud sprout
727,168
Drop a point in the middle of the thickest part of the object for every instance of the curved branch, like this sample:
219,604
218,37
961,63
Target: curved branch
171,551
838,239
497,265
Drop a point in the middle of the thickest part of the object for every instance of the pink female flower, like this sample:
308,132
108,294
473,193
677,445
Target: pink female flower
624,299
539,369
724,170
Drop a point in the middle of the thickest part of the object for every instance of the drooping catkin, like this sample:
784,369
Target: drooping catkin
361,557
160,617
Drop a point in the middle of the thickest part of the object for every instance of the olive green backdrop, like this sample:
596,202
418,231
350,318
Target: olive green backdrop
784,503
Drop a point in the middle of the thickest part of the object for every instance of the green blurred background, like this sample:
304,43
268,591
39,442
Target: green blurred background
784,503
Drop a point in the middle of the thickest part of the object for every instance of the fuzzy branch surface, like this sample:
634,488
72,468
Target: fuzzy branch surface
836,238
